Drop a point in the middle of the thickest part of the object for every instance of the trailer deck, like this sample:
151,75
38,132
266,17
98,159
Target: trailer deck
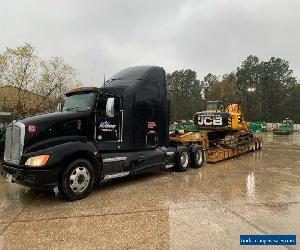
215,153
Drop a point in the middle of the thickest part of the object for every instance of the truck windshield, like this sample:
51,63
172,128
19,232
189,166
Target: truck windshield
80,102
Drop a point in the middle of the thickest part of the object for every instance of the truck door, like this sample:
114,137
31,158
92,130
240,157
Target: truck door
109,134
108,126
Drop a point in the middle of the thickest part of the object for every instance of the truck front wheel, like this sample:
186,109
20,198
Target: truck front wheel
77,180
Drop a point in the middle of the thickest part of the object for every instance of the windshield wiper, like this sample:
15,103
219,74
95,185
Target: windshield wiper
78,108
71,108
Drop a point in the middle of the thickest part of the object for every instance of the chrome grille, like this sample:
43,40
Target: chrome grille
14,142
8,143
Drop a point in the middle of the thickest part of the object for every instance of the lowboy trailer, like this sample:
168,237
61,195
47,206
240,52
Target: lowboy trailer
214,153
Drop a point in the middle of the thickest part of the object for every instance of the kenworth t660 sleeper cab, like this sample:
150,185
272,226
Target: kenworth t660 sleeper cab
101,133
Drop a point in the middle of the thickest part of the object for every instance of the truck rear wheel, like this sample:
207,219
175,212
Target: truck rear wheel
197,156
182,160
77,180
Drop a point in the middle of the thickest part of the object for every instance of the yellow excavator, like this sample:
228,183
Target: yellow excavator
226,126
221,132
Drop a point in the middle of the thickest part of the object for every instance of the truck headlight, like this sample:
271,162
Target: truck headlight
37,161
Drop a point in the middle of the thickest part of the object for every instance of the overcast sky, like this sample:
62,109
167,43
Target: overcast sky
98,37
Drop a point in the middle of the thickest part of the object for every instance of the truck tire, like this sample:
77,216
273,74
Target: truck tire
259,145
77,180
197,156
182,159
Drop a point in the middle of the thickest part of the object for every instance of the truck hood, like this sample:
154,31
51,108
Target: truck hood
52,125
52,117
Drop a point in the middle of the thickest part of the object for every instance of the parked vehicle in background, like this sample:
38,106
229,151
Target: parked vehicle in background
258,127
4,119
285,128
183,125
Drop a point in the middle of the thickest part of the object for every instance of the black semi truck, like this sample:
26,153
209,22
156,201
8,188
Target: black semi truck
100,134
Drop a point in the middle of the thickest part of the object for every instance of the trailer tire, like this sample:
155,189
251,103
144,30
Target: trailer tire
258,145
77,180
197,156
182,159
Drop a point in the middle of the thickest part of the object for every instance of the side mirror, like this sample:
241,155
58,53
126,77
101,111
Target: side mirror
59,107
110,107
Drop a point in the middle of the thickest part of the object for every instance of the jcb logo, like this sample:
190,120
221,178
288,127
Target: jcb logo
210,121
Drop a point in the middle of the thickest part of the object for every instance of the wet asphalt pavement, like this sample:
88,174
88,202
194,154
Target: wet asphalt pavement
207,208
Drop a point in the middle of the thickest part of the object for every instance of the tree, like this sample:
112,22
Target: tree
276,78
248,75
268,90
185,94
24,70
207,83
224,90
18,68
292,103
56,78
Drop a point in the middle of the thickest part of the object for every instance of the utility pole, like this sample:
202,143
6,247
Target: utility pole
249,90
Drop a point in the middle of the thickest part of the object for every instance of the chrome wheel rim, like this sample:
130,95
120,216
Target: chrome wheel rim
199,157
79,179
184,159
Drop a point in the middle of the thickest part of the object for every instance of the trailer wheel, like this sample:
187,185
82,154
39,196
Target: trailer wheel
182,160
77,181
258,145
197,156
254,146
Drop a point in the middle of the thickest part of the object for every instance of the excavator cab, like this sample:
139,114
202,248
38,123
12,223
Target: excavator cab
215,106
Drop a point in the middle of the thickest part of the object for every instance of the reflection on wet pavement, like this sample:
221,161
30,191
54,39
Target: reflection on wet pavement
251,184
205,208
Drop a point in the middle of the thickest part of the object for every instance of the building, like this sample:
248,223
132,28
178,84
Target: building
22,102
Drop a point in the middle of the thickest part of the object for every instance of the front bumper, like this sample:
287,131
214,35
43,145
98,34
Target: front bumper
34,178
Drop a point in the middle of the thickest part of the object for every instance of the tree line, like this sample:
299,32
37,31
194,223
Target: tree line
267,90
23,69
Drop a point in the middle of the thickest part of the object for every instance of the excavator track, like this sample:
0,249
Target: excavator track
236,139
